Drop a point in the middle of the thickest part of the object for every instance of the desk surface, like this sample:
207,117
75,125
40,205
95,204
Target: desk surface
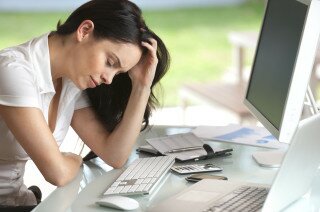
95,176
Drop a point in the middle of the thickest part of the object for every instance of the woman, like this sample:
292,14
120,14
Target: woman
95,73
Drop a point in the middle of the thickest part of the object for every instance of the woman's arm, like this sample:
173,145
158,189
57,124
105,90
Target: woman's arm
114,148
32,132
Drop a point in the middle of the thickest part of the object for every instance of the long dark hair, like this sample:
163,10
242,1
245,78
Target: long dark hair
118,20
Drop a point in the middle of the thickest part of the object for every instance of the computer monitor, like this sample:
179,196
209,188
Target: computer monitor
282,66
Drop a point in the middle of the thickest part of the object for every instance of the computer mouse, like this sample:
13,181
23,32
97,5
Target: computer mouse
119,202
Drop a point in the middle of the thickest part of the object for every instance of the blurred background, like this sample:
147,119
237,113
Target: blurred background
196,32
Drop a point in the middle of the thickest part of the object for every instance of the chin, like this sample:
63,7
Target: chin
80,86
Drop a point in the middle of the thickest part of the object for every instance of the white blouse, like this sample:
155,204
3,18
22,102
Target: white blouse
25,81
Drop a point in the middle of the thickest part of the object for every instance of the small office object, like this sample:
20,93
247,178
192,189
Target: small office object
148,149
142,176
119,202
89,156
210,153
177,142
213,153
197,177
195,168
185,147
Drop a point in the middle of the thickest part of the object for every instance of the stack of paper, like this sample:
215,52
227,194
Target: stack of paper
184,146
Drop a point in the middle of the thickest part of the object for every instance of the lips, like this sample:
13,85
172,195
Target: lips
95,82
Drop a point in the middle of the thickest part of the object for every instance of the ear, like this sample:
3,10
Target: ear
84,30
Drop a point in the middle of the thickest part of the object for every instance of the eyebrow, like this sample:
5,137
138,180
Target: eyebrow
117,59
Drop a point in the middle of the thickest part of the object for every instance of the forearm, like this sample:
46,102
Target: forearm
126,133
37,140
67,171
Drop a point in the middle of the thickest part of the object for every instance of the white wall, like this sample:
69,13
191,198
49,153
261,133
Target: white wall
67,5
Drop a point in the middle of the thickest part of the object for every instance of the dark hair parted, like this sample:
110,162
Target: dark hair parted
120,21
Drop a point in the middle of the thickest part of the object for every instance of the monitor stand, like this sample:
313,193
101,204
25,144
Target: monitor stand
271,159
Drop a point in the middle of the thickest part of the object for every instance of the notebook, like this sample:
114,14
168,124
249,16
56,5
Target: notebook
293,180
184,146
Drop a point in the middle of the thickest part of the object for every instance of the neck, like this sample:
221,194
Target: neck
58,60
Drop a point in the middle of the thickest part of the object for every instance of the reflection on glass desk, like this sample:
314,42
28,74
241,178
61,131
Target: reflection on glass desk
95,176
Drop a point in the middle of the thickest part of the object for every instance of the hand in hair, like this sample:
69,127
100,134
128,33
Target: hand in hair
143,73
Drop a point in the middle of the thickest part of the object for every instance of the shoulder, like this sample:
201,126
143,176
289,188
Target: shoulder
17,75
15,62
24,56
16,56
20,74
15,69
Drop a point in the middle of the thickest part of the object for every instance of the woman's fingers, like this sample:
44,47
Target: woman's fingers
152,46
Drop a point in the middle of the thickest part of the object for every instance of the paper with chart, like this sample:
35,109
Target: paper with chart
254,136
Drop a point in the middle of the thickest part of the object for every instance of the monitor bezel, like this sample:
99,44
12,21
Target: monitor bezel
298,84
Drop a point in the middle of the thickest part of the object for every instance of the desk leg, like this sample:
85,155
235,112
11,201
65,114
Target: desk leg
238,57
184,105
314,81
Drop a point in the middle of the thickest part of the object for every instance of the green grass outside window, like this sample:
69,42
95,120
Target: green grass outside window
196,38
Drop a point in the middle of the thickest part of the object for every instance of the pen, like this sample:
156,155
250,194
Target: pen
184,149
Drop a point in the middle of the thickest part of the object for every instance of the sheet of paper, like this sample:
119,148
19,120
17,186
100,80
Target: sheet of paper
175,142
255,136
188,155
179,141
148,148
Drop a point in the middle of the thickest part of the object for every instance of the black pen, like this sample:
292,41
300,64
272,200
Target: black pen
184,149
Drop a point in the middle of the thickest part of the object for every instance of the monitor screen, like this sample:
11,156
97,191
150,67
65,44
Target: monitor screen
275,58
282,68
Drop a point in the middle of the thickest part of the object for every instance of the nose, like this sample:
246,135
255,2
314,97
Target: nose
107,79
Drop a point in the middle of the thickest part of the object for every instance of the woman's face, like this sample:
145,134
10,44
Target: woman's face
98,61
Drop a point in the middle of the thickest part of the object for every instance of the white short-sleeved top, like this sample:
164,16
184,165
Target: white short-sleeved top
25,81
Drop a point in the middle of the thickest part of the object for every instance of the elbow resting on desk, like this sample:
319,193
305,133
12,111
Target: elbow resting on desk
59,181
116,161
116,164
114,158
60,178
61,172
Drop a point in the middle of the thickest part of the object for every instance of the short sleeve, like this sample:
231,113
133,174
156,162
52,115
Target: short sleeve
17,83
82,101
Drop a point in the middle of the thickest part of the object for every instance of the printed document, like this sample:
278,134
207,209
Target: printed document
254,136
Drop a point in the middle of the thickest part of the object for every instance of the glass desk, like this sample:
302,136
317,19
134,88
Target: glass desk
95,176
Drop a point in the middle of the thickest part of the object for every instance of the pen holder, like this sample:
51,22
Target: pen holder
210,152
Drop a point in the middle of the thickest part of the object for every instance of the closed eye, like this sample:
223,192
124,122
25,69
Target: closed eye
110,63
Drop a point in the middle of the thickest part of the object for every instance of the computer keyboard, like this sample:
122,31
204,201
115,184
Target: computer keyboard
142,176
243,199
